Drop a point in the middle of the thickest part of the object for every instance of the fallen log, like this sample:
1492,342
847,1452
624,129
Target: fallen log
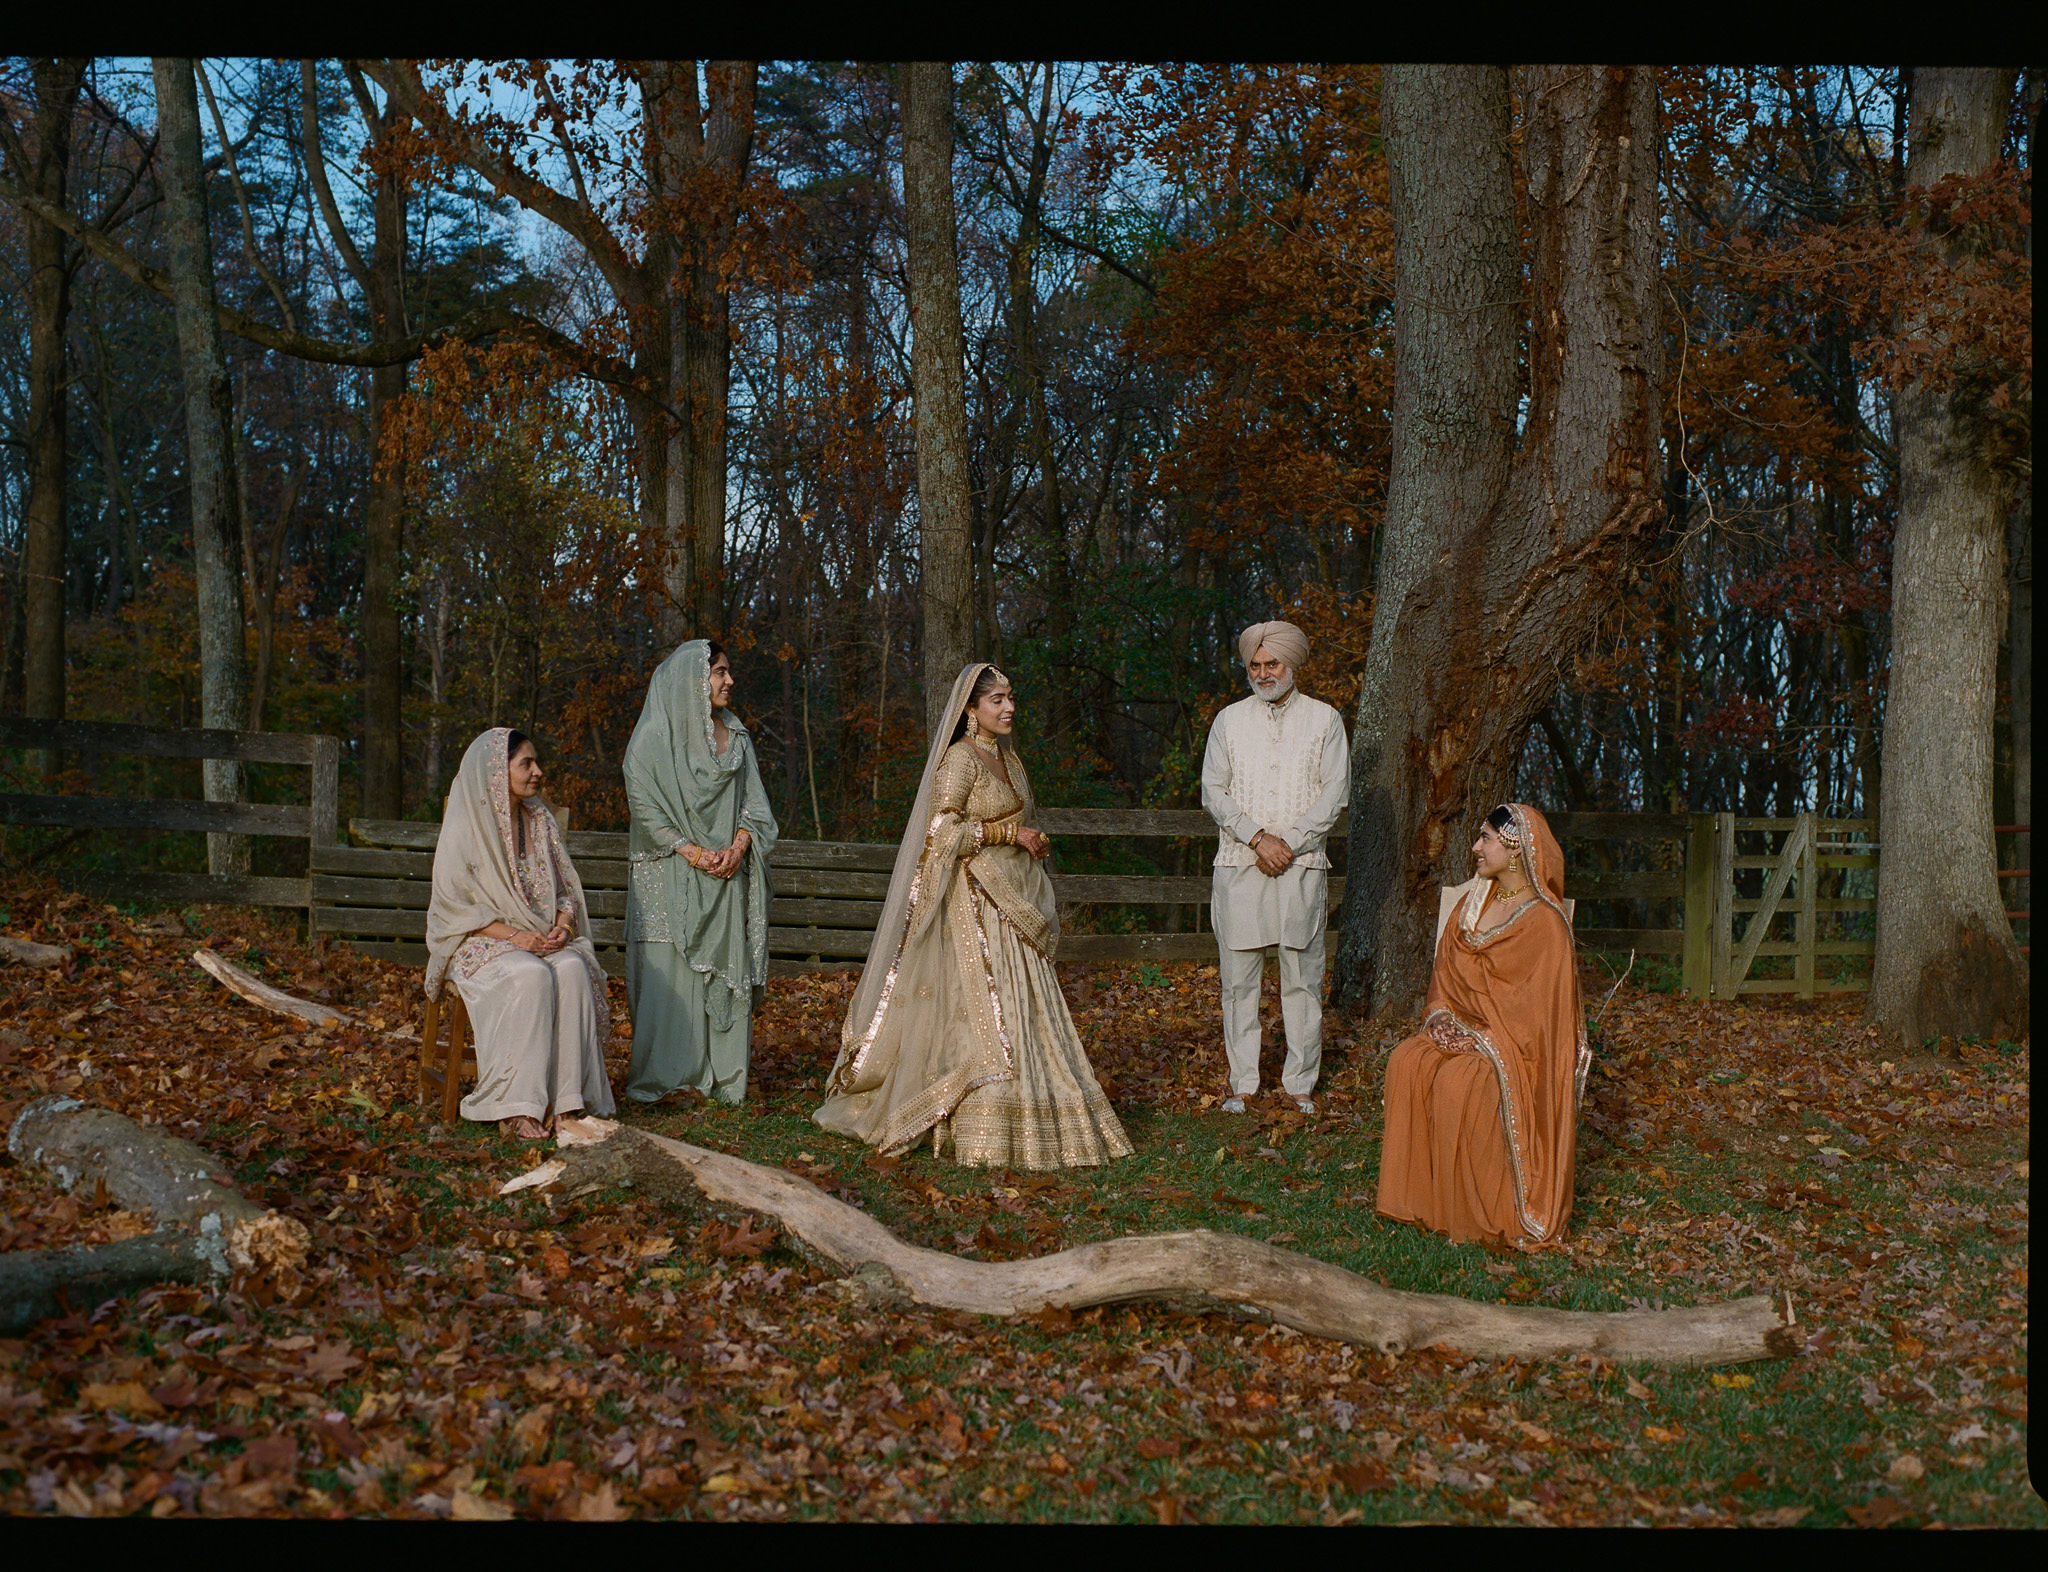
26,952
1198,1271
257,992
207,1231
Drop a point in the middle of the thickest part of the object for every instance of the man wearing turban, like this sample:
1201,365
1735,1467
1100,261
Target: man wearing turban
1275,775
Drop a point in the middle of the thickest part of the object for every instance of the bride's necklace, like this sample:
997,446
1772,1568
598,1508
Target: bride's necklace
1515,894
987,745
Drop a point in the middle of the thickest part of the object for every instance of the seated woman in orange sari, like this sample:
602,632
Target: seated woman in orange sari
1482,1107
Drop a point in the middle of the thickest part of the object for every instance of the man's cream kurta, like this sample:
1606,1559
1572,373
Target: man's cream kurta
1283,768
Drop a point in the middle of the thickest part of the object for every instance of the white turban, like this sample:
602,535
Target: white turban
1283,640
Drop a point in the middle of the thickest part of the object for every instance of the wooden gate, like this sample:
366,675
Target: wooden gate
314,822
1795,869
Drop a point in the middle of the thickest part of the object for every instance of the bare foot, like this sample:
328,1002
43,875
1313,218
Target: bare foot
523,1128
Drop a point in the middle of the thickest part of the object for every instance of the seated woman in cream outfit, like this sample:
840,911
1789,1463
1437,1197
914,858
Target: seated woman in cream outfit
508,924
958,1028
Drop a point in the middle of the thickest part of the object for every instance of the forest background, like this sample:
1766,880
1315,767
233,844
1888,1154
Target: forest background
1177,298
532,368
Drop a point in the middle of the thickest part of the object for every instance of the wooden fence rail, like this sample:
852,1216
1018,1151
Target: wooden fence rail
373,893
315,822
828,894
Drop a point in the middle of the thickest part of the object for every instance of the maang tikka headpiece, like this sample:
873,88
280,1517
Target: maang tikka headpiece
1510,833
973,725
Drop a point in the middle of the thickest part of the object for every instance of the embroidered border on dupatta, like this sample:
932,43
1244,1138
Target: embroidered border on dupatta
1483,1044
850,1068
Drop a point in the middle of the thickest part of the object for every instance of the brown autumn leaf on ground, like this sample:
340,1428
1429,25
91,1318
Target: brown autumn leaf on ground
452,1353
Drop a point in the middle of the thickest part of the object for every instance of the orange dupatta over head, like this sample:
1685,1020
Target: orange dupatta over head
1512,995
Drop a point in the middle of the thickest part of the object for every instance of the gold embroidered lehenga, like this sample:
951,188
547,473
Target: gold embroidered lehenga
958,1027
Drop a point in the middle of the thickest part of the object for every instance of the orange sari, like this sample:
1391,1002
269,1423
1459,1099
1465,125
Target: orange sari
1482,1107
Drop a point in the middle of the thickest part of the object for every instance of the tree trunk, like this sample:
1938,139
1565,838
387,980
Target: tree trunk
209,431
1496,570
206,1230
1195,1271
381,277
57,85
2020,551
699,154
384,505
1946,962
938,369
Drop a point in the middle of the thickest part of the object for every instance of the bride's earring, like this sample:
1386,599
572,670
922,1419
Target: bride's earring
973,727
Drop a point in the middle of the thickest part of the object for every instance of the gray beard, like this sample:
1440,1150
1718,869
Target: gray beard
1278,693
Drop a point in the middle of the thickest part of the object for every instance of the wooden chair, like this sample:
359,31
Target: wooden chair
443,1072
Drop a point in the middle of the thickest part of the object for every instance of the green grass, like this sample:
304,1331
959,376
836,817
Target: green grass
1762,1436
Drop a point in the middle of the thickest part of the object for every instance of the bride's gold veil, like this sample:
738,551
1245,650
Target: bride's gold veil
868,997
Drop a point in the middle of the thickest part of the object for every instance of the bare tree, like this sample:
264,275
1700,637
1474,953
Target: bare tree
44,167
938,369
1502,558
209,430
675,294
381,278
1946,961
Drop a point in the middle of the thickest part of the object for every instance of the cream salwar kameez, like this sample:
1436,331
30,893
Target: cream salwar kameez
539,1022
1284,768
535,1021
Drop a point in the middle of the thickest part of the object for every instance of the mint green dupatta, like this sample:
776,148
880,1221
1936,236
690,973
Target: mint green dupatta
680,788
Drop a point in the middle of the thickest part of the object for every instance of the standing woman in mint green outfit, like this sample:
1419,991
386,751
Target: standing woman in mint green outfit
697,897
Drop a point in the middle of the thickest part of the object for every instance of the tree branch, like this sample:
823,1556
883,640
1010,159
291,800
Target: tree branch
1074,243
479,323
220,127
1195,1270
316,172
400,79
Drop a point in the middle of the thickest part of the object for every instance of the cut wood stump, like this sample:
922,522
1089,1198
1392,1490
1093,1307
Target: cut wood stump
1197,1271
26,952
207,1231
257,992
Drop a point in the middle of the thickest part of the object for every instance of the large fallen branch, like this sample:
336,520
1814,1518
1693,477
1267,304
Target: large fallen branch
27,952
257,992
1197,1270
207,1231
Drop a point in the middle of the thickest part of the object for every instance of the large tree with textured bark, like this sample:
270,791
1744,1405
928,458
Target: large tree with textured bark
210,441
938,373
1946,961
1502,548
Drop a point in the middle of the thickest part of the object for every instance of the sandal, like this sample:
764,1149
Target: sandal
523,1128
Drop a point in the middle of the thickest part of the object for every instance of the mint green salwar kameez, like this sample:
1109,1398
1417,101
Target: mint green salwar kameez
696,946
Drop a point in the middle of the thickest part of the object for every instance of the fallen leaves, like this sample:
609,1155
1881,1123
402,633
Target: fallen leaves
1365,1475
329,1362
128,1397
475,1356
746,1240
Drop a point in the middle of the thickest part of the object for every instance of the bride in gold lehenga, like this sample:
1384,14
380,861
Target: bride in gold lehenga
958,1026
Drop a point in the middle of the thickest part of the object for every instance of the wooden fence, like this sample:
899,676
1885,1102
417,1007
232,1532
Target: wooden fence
1728,881
1795,882
313,823
1803,864
828,894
